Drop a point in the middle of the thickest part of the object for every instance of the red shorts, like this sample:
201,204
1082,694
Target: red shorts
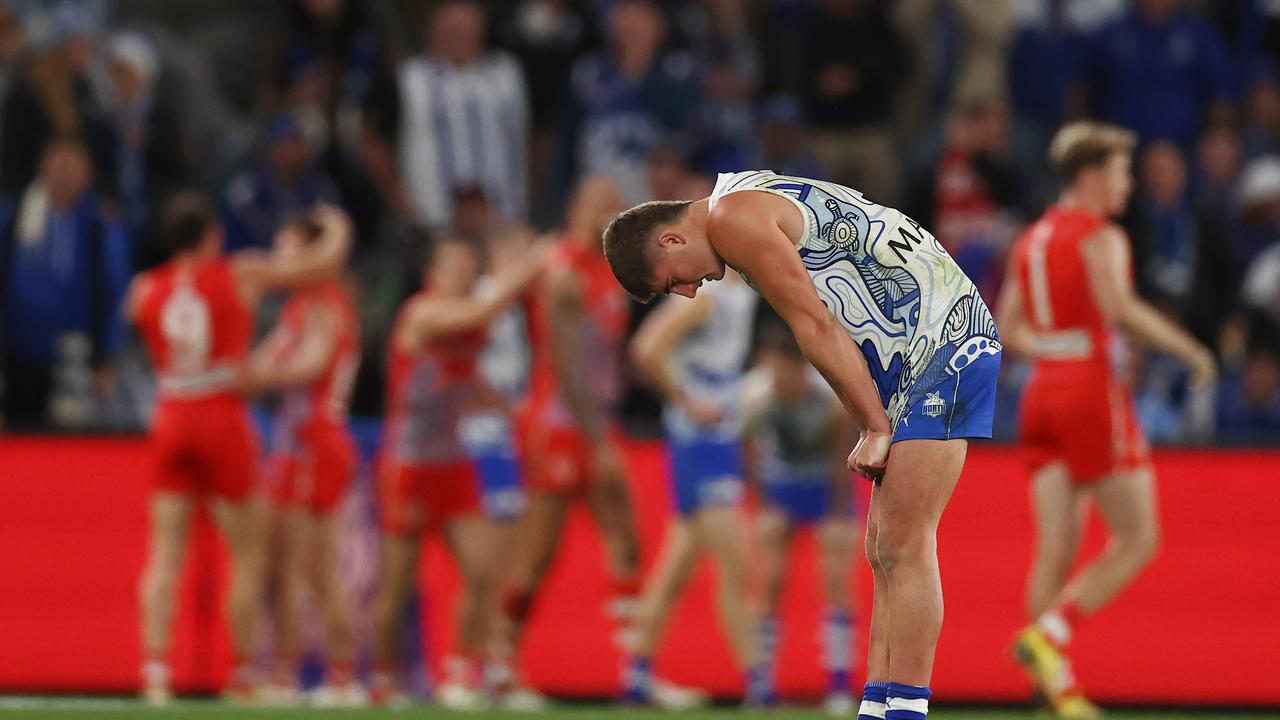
1089,423
558,460
426,496
316,476
204,446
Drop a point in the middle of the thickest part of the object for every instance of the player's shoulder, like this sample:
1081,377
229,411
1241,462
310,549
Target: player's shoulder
743,209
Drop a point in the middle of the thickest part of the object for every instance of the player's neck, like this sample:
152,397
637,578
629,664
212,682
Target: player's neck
1078,200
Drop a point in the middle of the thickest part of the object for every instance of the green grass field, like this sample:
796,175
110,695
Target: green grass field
120,709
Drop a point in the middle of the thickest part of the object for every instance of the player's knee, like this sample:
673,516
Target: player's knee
1144,543
898,546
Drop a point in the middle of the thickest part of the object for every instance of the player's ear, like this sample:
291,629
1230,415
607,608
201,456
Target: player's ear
670,237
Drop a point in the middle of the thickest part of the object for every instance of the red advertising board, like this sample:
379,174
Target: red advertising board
1201,626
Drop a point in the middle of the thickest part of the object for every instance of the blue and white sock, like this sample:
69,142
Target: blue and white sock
637,681
908,702
875,701
837,650
767,642
760,691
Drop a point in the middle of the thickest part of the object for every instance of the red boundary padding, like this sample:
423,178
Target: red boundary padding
1202,626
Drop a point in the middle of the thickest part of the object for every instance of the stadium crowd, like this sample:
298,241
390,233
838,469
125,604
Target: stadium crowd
465,118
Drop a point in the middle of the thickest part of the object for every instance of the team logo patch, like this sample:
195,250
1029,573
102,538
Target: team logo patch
934,405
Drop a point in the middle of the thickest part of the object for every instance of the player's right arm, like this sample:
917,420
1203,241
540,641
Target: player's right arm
1106,257
750,238
655,344
430,318
1015,332
270,369
259,272
566,305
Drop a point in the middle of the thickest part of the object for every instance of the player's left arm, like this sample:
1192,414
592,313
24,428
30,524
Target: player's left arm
260,272
747,233
269,370
655,344
134,295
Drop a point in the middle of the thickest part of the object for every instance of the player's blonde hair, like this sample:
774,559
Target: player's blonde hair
1086,144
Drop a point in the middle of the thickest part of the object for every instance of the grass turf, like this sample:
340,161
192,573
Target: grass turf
121,709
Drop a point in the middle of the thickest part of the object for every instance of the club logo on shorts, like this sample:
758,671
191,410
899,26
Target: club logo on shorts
934,405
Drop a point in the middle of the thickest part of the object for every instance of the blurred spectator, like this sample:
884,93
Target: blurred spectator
64,265
1255,225
52,95
1261,289
624,102
1165,231
1160,70
1249,389
956,48
971,195
464,118
854,61
784,146
149,158
330,62
547,36
717,33
1219,159
12,42
1262,117
284,183
1049,47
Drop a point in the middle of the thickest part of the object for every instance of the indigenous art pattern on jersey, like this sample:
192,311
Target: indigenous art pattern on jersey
914,314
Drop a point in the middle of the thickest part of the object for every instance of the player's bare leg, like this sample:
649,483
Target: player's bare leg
917,484
158,589
539,535
471,543
837,544
1060,509
719,530
243,526
1127,504
874,695
773,535
671,572
610,502
285,578
399,568
318,556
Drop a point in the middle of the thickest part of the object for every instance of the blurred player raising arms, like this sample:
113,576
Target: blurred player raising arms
568,433
795,430
694,352
898,331
195,314
1068,290
312,355
427,482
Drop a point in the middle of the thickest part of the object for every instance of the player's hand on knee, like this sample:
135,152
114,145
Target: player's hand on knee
871,454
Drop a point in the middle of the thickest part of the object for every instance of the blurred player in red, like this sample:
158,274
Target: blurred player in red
311,356
1068,294
427,481
569,438
195,314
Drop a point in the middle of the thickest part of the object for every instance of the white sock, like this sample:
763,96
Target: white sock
872,709
1056,627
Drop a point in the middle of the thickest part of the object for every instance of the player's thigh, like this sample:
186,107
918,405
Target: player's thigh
170,523
917,485
472,542
1128,504
243,525
399,564
719,530
1058,506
